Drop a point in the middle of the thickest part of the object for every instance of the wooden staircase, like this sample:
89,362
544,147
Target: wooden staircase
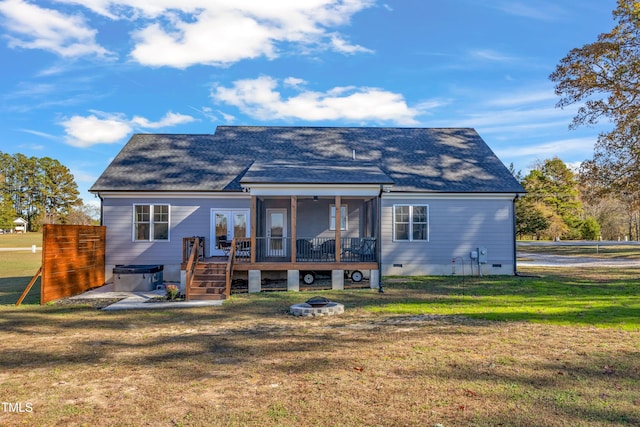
209,281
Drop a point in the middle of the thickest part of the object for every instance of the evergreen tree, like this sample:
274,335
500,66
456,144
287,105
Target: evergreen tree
552,195
36,189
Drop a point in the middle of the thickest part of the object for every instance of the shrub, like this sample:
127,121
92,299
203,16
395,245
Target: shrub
172,292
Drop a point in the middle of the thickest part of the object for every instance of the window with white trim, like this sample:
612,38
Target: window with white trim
343,217
411,223
150,223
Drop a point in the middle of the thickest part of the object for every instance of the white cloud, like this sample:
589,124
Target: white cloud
294,82
179,34
542,11
91,130
105,128
40,134
340,45
491,55
550,149
33,27
261,99
170,119
546,96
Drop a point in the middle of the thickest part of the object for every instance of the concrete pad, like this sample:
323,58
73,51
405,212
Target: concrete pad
138,300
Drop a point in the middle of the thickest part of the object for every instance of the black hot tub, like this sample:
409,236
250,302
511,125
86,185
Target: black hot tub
137,278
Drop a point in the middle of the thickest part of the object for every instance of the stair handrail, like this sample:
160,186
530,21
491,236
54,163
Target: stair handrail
230,264
191,267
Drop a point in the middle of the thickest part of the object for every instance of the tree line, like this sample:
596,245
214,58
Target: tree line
39,190
561,204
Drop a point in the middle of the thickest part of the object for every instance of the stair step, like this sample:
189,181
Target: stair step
206,297
201,291
210,273
203,283
210,268
201,279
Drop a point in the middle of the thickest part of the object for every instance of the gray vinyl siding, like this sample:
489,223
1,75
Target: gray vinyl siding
188,217
456,227
313,218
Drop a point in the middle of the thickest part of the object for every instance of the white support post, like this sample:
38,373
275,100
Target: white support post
374,279
337,280
293,280
255,281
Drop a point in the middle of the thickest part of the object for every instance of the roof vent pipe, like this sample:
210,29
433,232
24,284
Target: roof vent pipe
353,154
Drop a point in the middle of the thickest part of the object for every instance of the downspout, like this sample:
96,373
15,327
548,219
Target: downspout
515,255
101,208
379,239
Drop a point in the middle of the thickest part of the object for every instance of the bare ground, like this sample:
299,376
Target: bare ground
250,363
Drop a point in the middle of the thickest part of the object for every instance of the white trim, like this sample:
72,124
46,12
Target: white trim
301,190
332,209
275,252
410,223
151,223
230,226
174,195
459,196
314,190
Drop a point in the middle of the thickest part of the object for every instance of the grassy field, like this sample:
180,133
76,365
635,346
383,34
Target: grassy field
20,240
18,267
558,348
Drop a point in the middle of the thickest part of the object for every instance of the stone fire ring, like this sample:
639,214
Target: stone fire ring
307,310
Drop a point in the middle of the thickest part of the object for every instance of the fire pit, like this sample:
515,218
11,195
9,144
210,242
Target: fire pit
317,306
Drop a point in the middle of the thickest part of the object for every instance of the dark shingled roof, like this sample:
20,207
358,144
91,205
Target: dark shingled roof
314,172
413,159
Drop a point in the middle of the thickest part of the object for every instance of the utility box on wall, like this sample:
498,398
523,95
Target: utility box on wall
482,255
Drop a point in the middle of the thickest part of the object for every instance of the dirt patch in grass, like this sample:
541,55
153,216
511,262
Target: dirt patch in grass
249,363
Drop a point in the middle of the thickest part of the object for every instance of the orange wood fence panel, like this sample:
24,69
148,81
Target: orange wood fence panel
73,260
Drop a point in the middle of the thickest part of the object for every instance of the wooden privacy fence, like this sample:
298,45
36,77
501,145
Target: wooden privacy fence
73,258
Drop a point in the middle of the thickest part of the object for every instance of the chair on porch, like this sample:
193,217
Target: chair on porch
304,250
224,244
327,249
365,251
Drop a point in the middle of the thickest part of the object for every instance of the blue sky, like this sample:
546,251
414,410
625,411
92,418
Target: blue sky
79,77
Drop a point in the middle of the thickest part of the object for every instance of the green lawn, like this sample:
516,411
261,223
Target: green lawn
560,296
22,240
18,267
606,298
559,348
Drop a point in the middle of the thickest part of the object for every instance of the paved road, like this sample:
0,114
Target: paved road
576,243
546,260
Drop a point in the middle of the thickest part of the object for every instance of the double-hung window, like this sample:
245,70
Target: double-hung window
411,223
150,223
344,211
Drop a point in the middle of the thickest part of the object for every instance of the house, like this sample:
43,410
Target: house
20,225
370,201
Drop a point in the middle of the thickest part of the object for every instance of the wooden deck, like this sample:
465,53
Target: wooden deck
242,265
214,277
